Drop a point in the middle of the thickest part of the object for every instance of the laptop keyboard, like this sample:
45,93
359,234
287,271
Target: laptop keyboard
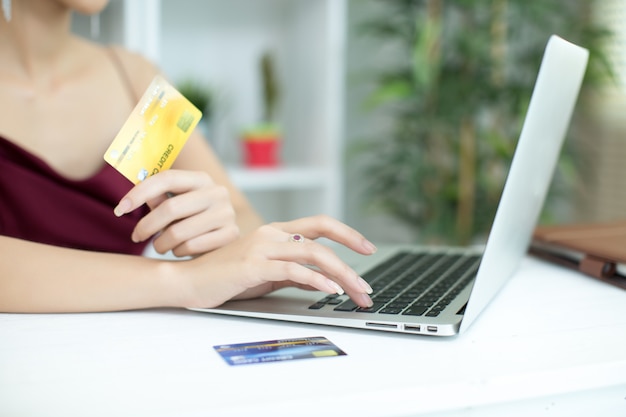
413,284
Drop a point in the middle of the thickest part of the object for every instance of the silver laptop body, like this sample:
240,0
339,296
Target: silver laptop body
482,273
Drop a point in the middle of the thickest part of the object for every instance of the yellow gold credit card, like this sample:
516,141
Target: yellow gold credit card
154,134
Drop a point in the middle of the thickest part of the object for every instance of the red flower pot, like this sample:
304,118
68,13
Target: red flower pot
261,152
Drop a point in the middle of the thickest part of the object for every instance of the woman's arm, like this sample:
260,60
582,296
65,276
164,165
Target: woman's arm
38,278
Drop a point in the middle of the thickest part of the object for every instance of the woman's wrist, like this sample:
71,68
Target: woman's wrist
187,283
173,283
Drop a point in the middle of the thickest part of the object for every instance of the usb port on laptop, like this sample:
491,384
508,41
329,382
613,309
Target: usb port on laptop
410,328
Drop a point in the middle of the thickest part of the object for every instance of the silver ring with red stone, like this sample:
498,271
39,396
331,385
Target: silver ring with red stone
297,238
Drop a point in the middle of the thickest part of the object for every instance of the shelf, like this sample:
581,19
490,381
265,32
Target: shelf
277,179
220,43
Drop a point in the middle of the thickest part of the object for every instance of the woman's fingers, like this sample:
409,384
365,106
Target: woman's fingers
319,256
307,263
281,271
195,212
188,243
325,226
190,214
157,187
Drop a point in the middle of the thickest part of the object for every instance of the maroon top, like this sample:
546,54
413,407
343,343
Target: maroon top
40,205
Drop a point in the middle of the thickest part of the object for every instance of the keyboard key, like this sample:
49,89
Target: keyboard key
349,305
372,309
391,310
415,311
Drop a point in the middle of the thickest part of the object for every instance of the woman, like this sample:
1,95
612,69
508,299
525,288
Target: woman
71,227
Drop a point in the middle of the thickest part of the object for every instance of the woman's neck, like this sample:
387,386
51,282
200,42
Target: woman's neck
34,45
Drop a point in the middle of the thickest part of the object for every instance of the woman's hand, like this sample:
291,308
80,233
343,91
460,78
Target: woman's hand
271,258
190,213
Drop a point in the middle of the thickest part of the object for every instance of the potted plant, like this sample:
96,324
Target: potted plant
200,94
455,102
261,142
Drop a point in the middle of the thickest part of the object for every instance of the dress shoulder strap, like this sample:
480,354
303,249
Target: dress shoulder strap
117,63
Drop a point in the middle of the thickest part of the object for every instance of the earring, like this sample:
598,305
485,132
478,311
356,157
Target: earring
94,25
6,9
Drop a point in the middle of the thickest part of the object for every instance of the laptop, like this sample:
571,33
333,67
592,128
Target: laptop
440,291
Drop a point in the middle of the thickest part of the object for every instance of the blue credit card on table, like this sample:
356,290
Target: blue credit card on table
278,350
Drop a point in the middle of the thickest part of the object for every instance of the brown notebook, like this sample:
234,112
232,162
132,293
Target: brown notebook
596,249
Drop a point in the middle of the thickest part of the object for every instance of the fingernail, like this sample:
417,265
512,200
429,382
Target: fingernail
369,246
336,287
366,300
366,287
122,208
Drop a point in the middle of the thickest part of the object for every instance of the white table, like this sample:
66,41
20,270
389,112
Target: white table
562,353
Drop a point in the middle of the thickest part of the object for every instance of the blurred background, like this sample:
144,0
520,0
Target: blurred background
397,116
